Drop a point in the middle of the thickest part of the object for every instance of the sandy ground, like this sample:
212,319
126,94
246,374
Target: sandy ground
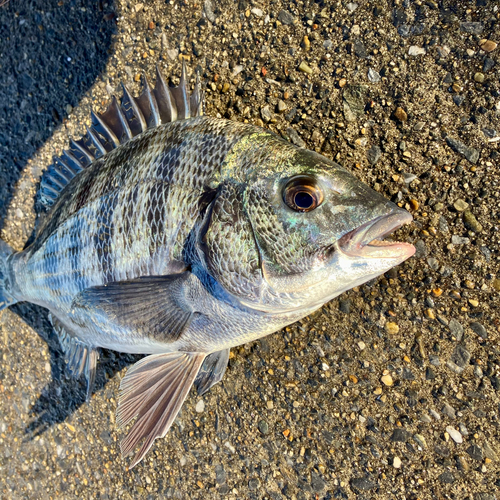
391,391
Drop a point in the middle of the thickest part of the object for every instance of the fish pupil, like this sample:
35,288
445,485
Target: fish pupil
303,200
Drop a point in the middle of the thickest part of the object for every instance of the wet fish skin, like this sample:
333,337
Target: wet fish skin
181,243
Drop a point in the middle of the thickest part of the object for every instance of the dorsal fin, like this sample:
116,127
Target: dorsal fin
118,124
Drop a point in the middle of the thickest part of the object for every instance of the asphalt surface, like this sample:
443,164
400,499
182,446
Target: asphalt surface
391,391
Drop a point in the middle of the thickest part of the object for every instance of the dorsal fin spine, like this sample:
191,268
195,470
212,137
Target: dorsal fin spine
78,146
180,96
50,188
183,87
136,111
155,113
110,135
96,142
62,160
56,181
164,99
60,167
73,161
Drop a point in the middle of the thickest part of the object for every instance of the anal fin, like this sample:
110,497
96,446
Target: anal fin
80,357
153,391
212,371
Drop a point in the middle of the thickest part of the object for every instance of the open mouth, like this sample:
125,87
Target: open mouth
366,240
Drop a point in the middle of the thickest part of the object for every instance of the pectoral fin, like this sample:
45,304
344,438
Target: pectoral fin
211,371
153,390
154,305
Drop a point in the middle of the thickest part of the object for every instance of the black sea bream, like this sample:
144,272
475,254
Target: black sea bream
180,236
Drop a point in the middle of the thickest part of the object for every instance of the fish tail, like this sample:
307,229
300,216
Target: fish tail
6,298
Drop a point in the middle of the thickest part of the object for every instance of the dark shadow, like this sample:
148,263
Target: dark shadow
51,53
64,394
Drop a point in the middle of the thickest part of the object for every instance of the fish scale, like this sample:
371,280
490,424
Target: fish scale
180,236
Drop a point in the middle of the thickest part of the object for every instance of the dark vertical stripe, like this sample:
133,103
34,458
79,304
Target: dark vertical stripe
169,162
129,212
104,236
156,215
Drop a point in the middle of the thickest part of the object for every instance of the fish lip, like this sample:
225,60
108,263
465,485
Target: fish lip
365,240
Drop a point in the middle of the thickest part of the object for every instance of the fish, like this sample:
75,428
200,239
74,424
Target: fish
179,236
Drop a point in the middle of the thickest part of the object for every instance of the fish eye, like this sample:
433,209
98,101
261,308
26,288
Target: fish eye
302,194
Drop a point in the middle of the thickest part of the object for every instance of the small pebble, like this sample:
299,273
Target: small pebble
305,68
414,204
295,137
429,313
265,113
449,411
420,439
373,155
391,328
454,434
435,414
400,114
263,427
489,452
460,205
479,77
200,406
471,154
456,329
387,380
373,76
396,462
459,240
488,45
415,50
363,483
488,64
479,329
475,452
471,222
284,17
475,28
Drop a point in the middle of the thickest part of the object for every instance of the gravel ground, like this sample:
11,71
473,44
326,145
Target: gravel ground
391,391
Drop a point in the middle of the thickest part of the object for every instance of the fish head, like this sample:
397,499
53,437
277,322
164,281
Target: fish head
319,232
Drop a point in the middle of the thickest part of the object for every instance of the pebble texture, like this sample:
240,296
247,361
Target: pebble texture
390,391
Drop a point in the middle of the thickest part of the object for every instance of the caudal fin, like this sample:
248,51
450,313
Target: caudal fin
6,299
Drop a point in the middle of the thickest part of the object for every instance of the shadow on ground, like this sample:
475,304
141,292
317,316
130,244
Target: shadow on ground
51,53
64,394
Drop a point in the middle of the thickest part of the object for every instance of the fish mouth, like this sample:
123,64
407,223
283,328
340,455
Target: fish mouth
366,240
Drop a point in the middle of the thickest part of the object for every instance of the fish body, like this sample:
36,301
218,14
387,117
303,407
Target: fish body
180,236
